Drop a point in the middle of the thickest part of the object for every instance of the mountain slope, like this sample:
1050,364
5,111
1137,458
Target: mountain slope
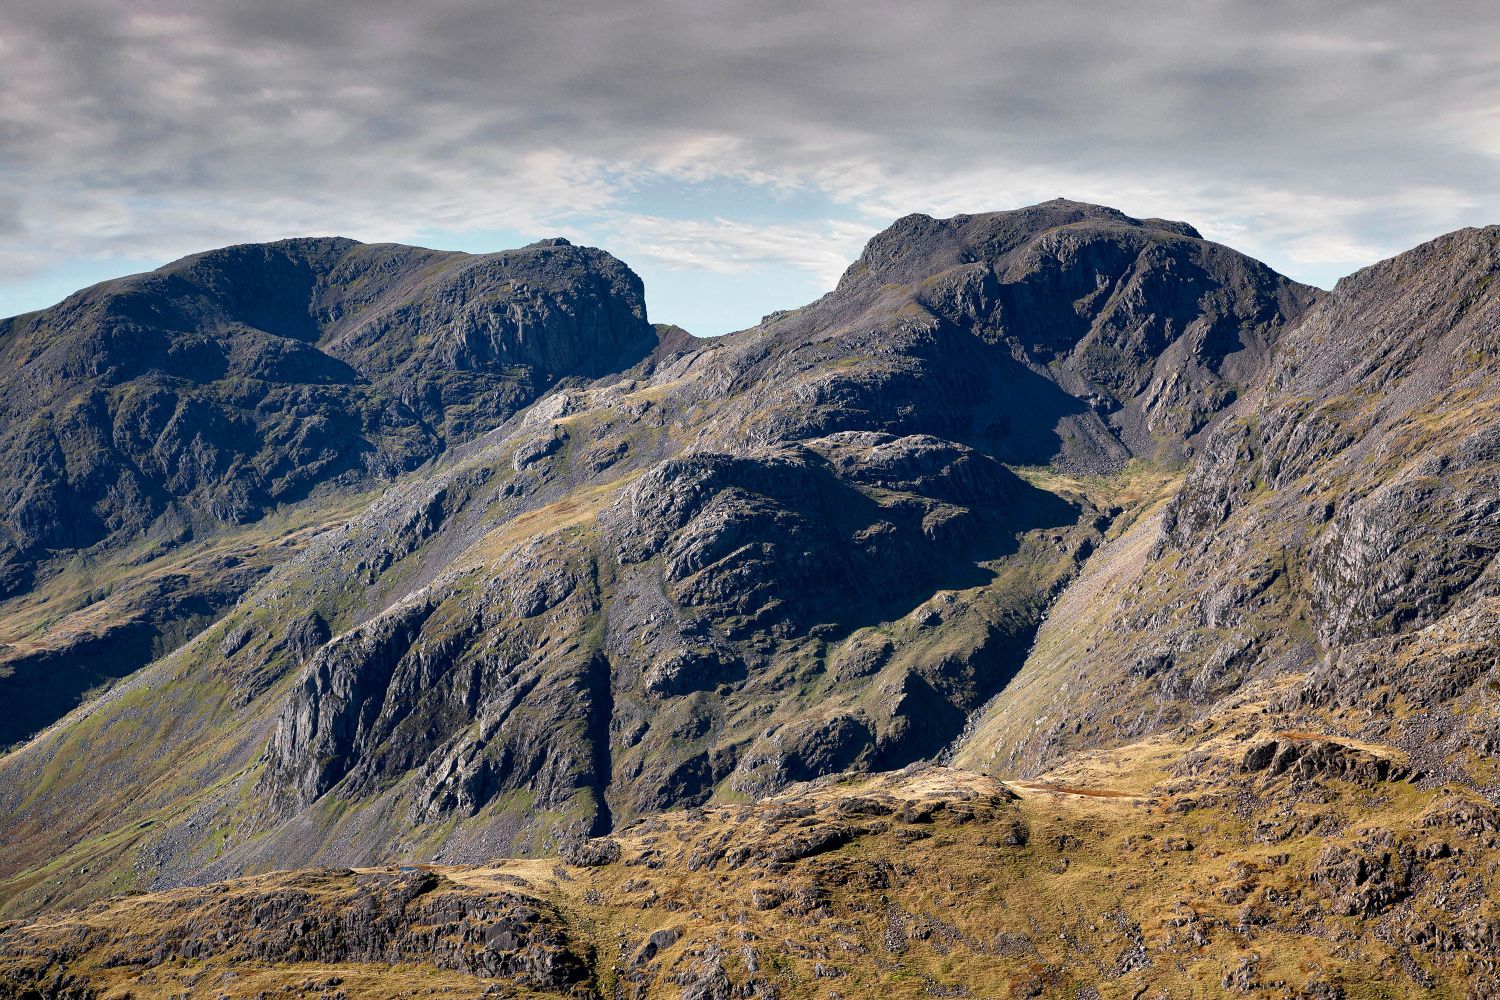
1342,521
786,553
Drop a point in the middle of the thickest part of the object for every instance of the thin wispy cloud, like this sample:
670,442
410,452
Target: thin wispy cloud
725,246
1318,136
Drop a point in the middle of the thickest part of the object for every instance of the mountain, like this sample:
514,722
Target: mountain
1185,570
734,565
146,413
1341,524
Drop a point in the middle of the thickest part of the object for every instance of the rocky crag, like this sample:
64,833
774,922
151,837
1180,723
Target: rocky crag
1341,522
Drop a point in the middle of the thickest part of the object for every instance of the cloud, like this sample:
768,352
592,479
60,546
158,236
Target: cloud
1318,136
724,246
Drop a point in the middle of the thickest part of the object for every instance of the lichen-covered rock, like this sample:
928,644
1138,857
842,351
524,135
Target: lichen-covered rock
1303,758
326,918
1367,878
592,853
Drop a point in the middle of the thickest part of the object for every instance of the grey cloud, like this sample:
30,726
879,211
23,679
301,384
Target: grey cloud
1310,133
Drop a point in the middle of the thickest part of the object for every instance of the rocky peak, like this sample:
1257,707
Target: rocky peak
1071,332
918,246
243,377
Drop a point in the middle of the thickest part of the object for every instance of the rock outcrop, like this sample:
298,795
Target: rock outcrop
318,919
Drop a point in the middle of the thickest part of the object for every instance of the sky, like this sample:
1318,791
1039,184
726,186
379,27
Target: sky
736,154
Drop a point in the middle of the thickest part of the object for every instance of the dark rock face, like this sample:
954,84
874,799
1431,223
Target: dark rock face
427,693
349,689
788,538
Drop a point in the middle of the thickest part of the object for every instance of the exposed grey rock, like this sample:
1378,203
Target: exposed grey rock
1304,759
592,853
1347,503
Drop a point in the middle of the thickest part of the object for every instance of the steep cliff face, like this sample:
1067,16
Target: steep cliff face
1353,499
145,413
1387,394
